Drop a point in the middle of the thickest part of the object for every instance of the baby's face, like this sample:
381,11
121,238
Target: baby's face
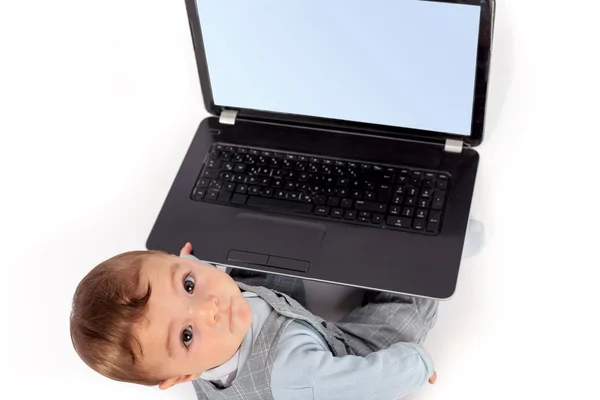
196,318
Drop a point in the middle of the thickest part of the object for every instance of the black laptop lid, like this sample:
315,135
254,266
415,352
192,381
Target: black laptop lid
399,67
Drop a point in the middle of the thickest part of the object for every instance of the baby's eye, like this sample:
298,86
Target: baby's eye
186,336
189,284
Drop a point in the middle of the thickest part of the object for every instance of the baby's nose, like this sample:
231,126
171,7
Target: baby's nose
208,310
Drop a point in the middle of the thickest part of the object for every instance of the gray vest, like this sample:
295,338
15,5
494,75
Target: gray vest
253,380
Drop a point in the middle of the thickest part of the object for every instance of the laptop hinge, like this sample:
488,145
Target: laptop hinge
227,117
453,146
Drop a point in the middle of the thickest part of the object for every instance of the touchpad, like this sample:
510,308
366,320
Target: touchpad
278,242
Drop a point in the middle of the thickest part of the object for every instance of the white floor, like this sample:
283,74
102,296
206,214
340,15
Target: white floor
100,99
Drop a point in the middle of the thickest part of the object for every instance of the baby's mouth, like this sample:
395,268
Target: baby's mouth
230,311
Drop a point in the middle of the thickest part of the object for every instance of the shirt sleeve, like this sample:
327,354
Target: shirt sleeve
304,368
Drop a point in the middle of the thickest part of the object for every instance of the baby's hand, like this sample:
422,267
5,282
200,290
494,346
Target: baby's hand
186,250
433,378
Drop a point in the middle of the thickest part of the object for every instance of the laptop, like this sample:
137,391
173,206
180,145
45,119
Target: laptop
341,142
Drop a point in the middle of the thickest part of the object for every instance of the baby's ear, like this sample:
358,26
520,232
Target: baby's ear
170,382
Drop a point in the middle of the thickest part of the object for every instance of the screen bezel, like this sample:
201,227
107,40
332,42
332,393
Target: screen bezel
479,106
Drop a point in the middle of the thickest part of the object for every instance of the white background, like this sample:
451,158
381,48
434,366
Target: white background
100,99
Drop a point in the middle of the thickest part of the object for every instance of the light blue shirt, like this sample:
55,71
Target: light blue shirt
304,367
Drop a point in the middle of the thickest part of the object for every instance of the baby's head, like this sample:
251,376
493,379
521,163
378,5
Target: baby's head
156,319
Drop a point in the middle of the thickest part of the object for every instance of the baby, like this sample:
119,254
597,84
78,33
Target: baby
153,318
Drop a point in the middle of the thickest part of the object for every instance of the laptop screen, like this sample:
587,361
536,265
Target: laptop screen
400,63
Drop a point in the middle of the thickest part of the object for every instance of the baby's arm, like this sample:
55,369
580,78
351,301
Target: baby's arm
305,368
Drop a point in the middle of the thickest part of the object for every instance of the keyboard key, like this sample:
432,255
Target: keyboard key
400,222
267,192
346,203
398,199
294,196
403,179
438,200
280,194
423,203
442,184
434,221
241,189
283,205
350,215
239,198
337,213
427,183
212,195
384,192
224,197
321,210
239,178
370,206
277,183
198,194
254,190
290,185
227,176
203,183
395,210
320,199
386,177
333,202
356,194
425,193
215,184
241,168
419,224
213,163
306,198
228,166
410,201
225,156
377,219
421,213
408,212
228,187
211,173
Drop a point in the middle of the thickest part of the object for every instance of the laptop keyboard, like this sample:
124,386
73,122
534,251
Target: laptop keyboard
388,197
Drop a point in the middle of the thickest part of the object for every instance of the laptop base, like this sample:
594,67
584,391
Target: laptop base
310,247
